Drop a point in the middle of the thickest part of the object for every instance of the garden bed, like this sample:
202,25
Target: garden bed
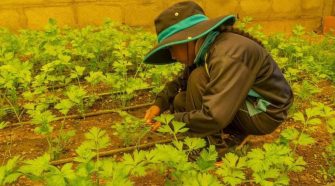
61,124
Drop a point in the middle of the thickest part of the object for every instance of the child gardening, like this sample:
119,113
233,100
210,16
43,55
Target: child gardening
230,86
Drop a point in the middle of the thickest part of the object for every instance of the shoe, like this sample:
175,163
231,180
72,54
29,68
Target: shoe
225,141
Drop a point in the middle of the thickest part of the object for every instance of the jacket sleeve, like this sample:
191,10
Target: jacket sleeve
229,83
171,89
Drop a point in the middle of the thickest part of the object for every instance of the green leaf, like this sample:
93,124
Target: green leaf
80,70
85,154
96,77
136,162
29,106
331,125
115,173
2,174
165,129
312,112
3,124
194,143
12,163
8,172
290,134
11,178
178,127
282,180
68,172
298,165
207,158
294,136
43,121
164,118
314,121
76,94
232,169
64,106
97,138
256,160
200,179
36,166
299,117
233,161
305,139
28,95
178,144
266,178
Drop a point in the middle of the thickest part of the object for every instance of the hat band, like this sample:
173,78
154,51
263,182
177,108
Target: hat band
181,25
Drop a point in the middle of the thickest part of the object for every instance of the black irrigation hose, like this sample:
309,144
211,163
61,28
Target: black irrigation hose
90,114
99,95
118,151
118,92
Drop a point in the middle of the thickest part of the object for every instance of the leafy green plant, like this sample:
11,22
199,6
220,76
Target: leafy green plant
131,129
96,77
40,169
232,169
14,75
42,120
171,126
305,90
161,74
9,172
75,98
96,139
200,179
328,115
3,125
269,166
309,119
62,139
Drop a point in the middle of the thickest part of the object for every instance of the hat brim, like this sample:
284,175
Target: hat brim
160,53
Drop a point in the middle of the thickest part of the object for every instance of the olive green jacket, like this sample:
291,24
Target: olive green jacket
235,65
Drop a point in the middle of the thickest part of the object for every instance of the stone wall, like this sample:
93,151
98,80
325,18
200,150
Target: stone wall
274,15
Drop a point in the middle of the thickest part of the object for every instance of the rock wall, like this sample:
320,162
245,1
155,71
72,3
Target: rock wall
274,15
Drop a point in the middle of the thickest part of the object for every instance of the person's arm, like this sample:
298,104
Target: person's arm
229,84
171,89
166,96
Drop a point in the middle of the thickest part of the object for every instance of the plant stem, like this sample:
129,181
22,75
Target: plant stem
175,137
50,145
303,130
60,141
13,107
97,163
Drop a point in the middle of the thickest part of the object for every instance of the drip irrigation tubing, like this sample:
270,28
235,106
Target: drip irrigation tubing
90,114
98,95
119,151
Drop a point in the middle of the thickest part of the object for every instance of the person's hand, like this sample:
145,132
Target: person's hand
152,112
155,126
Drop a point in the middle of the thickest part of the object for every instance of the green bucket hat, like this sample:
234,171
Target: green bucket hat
181,23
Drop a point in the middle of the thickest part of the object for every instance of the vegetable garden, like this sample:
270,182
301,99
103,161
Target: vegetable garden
72,102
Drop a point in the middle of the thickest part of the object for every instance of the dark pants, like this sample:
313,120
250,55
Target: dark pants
243,123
